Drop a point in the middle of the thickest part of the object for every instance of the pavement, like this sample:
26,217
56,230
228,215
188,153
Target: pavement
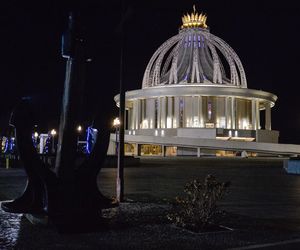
263,208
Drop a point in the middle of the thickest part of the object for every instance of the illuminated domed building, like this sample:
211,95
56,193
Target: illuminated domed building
195,86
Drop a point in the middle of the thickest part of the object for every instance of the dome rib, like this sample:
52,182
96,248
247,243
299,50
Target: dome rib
191,57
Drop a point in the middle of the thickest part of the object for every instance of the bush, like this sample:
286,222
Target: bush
199,210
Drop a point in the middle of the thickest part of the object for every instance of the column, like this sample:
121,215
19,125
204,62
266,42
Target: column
253,114
198,152
268,116
257,115
196,120
150,112
170,113
129,118
142,104
158,112
126,121
138,114
134,114
233,112
188,112
200,114
163,112
226,113
176,112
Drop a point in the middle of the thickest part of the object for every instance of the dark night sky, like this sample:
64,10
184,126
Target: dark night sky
265,35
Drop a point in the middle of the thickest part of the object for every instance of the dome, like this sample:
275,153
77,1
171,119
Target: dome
195,56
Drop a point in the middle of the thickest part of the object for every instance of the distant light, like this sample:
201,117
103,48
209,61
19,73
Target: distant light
36,134
53,132
116,122
89,59
79,128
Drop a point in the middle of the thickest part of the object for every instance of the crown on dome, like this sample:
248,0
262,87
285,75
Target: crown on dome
194,20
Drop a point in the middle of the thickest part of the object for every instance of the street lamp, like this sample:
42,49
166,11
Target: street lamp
35,137
53,133
79,129
116,125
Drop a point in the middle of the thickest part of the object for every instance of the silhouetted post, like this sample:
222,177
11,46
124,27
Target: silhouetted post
73,51
120,174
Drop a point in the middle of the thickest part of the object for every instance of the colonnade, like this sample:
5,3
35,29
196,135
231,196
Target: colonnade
197,112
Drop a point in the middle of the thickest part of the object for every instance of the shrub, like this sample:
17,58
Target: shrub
199,209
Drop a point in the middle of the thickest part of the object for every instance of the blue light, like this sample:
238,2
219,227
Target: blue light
91,139
6,145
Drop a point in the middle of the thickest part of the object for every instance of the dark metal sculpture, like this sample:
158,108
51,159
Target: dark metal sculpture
69,196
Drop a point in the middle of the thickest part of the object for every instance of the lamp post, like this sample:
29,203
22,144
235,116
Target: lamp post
53,133
120,173
116,125
79,129
35,136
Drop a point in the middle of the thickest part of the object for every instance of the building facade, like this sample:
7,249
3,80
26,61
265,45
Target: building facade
195,86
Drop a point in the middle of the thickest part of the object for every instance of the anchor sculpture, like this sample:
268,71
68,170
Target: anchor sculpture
69,195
